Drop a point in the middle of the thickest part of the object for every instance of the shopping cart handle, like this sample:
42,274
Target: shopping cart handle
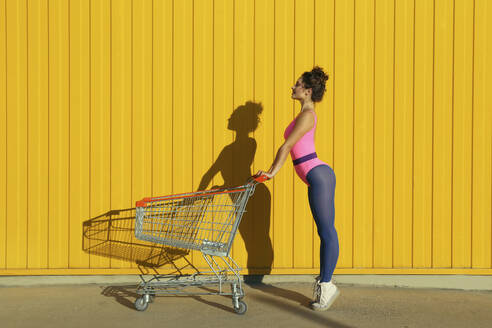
260,178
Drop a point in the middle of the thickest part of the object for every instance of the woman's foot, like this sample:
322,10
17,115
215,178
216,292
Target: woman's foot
328,293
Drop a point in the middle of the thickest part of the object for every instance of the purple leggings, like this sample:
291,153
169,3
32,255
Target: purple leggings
321,192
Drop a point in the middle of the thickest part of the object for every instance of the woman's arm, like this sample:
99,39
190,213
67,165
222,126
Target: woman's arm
304,123
208,177
212,171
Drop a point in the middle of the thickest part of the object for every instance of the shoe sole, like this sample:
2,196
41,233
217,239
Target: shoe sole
324,308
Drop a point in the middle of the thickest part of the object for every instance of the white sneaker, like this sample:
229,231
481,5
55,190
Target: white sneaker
328,293
316,290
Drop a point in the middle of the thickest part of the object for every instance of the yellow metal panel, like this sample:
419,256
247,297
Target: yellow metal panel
37,199
202,97
79,130
162,177
163,97
303,61
462,133
222,90
259,244
100,165
363,133
142,113
219,174
157,97
142,98
383,134
482,137
182,98
443,113
3,136
243,148
121,126
422,133
323,56
16,225
223,87
343,161
403,122
284,106
58,135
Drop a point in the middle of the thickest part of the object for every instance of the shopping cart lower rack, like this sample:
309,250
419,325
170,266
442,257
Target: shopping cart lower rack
206,221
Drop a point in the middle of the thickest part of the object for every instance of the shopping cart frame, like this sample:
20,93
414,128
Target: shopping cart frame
205,221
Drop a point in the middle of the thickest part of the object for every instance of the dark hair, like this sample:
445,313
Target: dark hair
315,80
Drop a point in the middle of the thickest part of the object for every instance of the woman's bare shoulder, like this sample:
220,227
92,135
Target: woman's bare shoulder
305,118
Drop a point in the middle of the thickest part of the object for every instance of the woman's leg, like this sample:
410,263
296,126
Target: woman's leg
321,194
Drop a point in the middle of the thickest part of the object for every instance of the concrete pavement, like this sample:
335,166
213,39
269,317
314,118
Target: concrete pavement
269,305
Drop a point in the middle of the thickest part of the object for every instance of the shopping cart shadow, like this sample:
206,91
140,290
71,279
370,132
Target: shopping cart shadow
112,235
124,294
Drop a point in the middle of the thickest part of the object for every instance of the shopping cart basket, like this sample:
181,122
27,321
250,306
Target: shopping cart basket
206,221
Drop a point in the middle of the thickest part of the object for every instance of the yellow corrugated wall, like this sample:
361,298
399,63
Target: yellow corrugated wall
105,102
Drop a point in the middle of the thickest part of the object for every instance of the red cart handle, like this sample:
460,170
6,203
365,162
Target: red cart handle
260,178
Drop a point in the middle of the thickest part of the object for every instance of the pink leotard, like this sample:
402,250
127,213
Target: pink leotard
303,147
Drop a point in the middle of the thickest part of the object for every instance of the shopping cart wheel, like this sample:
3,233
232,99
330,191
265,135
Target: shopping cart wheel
242,307
141,304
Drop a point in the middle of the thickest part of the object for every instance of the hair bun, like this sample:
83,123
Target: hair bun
318,73
315,80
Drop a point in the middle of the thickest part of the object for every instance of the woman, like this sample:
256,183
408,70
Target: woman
320,178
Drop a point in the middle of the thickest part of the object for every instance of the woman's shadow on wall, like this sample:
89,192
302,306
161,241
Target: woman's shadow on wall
234,164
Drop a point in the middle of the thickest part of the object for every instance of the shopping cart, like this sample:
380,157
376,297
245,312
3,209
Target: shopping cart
206,221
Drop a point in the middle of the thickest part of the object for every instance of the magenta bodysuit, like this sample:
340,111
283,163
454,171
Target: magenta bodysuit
304,151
